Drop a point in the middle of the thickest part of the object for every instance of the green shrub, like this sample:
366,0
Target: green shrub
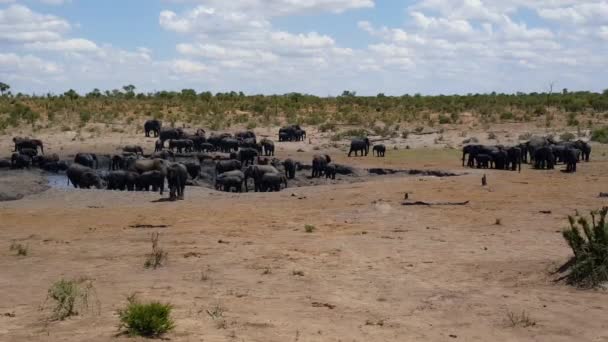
146,319
328,126
70,297
444,119
600,135
589,266
506,116
309,228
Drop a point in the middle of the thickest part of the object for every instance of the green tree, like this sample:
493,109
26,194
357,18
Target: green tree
71,94
129,91
4,87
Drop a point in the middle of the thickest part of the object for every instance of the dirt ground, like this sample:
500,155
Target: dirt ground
372,269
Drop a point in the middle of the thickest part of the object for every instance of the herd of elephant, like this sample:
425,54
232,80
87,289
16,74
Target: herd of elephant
542,152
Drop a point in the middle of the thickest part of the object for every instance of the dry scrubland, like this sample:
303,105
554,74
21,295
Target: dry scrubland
337,262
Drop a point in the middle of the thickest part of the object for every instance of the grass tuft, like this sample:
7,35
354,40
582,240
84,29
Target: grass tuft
70,297
20,249
146,319
158,257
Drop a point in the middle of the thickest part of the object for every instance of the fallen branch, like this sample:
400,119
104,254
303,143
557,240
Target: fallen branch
429,204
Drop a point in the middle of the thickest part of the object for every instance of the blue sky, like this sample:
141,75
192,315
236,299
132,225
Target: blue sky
313,46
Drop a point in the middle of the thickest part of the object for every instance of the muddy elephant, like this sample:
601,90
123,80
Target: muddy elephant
482,160
158,145
150,179
499,159
122,180
41,161
181,145
5,163
228,145
272,182
133,149
170,134
206,147
20,161
164,154
153,126
177,175
257,172
267,147
194,169
87,159
247,156
536,143
544,158
291,133
359,145
21,143
83,177
514,158
380,150
143,165
290,167
30,152
227,165
230,180
330,171
571,157
243,135
319,162
473,150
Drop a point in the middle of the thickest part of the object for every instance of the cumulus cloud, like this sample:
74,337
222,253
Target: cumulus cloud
28,64
20,24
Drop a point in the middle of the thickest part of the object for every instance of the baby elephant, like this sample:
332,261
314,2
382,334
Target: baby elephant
379,150
273,181
230,180
330,171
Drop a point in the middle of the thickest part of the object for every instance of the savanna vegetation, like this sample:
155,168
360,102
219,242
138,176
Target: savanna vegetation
221,110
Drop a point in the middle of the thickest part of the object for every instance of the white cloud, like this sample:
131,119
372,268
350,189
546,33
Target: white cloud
11,63
19,24
184,66
67,45
55,2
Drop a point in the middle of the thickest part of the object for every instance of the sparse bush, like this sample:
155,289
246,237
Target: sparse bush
492,136
505,116
70,297
21,250
600,135
146,319
328,126
520,320
217,315
309,228
444,119
589,265
158,256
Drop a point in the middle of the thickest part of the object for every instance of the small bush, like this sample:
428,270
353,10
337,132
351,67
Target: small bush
589,265
520,320
158,257
251,125
444,119
492,136
567,136
70,297
505,116
146,319
328,126
600,135
217,314
309,228
19,248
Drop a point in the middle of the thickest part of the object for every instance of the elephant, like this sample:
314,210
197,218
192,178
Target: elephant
248,143
571,157
216,139
177,175
206,147
194,169
523,147
122,180
319,162
117,162
21,143
227,165
536,143
272,182
43,160
330,171
133,149
379,149
290,168
263,161
499,159
31,152
300,135
170,134
247,155
514,158
154,179
267,147
359,145
181,145
474,150
197,140
482,160
5,163
291,133
83,177
257,172
228,145
154,126
55,166
585,149
21,161
229,180
87,159
544,158
143,165
283,136
245,135
158,145
164,154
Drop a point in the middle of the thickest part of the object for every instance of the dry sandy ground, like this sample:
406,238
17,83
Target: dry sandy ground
373,270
